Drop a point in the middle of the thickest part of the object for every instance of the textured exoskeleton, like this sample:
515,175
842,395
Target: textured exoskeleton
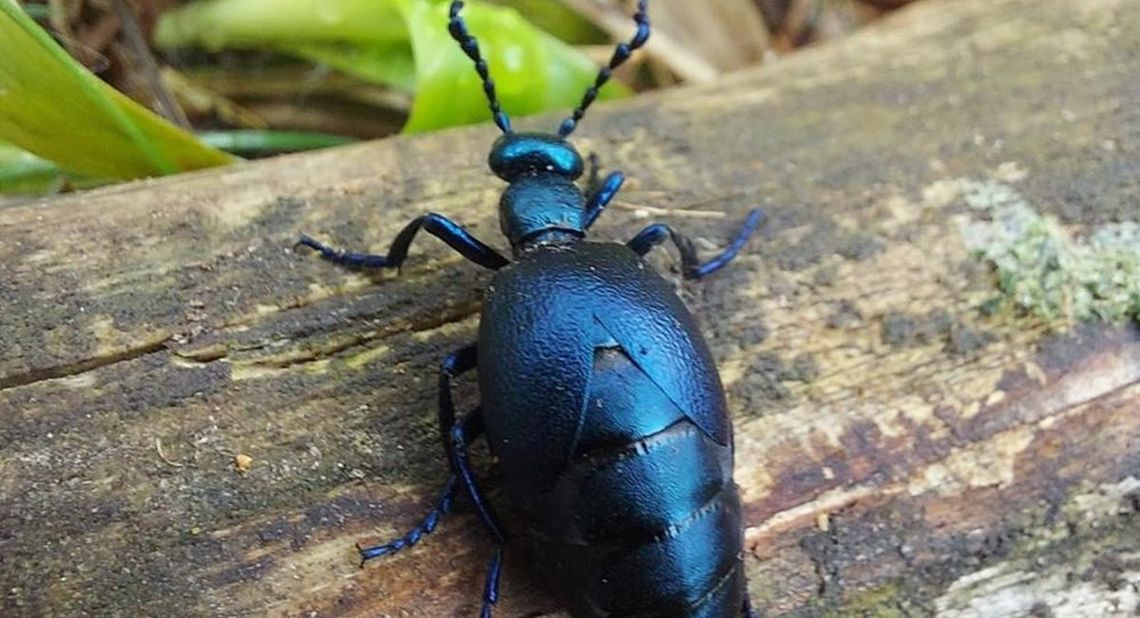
599,397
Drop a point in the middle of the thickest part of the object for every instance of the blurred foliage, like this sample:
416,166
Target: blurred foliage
262,142
53,107
393,66
25,173
400,43
559,20
403,44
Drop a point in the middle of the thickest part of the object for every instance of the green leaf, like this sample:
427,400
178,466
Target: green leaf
56,109
367,39
390,64
559,20
255,141
403,44
533,71
228,24
22,172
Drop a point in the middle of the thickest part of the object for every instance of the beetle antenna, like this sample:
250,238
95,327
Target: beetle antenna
470,46
621,53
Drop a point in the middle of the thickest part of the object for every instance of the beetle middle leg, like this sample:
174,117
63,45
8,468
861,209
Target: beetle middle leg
456,437
470,428
691,267
425,527
437,225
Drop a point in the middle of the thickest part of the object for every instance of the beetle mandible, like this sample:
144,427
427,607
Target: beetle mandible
600,399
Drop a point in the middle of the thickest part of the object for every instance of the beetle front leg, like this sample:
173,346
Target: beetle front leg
601,196
691,268
437,225
599,192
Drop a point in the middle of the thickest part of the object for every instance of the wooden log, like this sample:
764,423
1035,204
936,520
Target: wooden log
900,451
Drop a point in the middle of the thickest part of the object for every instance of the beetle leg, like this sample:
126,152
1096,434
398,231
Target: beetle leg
491,583
461,464
425,527
457,436
460,437
439,226
473,426
601,195
691,267
747,610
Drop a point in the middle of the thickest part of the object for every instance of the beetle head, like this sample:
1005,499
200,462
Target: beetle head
522,154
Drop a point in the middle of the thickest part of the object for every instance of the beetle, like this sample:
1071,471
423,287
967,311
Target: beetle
599,398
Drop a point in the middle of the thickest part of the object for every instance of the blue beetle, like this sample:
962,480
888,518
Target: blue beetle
600,399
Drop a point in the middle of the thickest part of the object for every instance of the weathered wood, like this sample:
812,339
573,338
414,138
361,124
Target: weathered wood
900,452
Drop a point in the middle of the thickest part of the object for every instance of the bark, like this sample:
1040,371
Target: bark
905,446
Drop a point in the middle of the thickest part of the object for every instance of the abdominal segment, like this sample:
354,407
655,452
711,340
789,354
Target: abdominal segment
645,521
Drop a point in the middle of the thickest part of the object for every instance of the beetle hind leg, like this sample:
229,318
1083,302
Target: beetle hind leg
460,436
491,583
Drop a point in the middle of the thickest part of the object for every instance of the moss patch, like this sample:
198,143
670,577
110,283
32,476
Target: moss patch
1041,267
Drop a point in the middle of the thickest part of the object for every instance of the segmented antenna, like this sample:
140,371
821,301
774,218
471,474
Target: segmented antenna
470,46
621,54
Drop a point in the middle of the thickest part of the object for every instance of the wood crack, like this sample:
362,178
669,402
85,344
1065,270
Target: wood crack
223,351
72,369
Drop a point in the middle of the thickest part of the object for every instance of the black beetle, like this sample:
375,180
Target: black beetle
600,399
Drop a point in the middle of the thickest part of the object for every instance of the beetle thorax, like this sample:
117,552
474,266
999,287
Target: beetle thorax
541,207
542,202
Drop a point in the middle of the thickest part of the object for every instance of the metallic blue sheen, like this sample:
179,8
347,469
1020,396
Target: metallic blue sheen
607,417
601,198
540,203
600,399
544,317
518,154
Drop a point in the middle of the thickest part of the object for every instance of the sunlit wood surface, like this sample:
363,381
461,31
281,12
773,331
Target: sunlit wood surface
900,452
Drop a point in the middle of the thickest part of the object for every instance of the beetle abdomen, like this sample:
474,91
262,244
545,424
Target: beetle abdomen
645,521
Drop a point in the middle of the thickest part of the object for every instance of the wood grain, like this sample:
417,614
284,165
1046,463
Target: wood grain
900,451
